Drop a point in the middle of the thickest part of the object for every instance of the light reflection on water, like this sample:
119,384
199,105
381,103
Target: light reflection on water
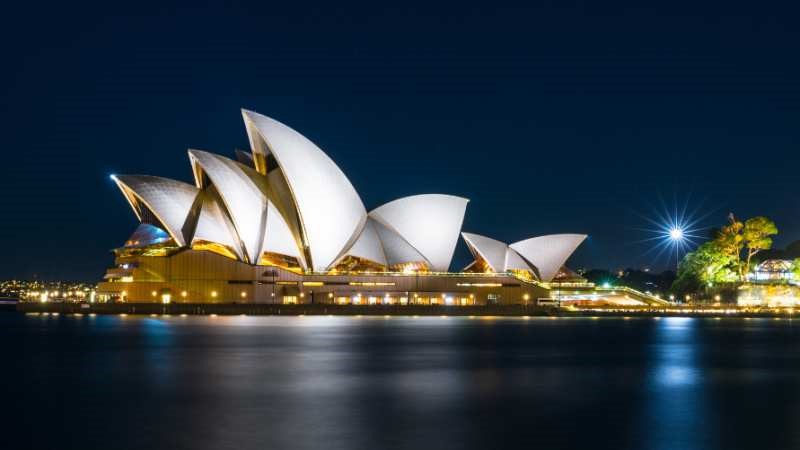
400,382
675,392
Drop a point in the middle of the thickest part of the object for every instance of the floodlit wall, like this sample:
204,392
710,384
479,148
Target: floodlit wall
206,277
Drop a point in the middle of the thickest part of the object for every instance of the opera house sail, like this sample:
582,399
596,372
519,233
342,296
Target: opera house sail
283,224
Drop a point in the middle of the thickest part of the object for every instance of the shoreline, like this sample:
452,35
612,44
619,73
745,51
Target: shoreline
235,309
252,309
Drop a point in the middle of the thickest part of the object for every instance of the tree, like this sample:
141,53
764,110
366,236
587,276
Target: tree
711,263
731,241
796,269
728,256
757,234
752,236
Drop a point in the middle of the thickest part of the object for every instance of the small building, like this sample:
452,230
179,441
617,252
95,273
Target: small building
773,270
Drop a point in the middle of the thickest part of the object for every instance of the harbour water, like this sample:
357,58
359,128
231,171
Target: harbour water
141,382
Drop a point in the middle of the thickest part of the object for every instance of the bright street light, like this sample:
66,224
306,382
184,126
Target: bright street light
674,231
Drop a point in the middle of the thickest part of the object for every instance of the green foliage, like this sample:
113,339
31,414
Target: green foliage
796,268
720,260
731,242
757,234
709,264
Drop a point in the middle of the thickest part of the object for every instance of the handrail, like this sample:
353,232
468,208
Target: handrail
629,290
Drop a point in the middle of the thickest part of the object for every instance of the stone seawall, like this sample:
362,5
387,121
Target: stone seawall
280,310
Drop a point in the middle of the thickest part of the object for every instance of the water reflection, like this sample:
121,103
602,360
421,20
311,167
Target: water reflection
675,390
340,382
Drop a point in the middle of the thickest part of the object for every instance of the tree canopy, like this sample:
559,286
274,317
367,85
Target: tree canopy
757,235
728,256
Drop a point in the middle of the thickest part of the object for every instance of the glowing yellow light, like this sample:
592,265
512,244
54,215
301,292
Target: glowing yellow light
526,297
184,294
214,294
243,294
313,283
153,293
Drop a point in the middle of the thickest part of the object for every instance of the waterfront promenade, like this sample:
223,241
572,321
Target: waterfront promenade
391,310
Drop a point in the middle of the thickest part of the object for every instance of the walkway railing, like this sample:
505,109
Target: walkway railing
648,297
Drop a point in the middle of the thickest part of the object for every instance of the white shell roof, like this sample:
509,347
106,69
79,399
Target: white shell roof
516,262
492,251
307,208
277,236
396,249
244,199
548,253
213,224
169,200
430,223
330,211
368,245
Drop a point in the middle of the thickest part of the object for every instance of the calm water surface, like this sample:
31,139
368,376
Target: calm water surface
110,382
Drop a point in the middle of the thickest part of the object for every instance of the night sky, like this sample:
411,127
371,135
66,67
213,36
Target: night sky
559,117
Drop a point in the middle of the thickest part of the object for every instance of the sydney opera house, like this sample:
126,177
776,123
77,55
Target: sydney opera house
283,224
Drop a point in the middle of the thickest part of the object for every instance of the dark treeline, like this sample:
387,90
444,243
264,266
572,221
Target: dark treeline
641,280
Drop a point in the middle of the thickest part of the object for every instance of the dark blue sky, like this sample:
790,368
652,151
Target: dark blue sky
554,117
